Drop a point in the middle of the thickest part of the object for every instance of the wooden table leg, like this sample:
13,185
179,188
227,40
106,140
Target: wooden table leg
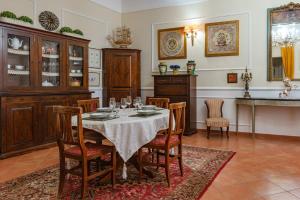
253,120
135,163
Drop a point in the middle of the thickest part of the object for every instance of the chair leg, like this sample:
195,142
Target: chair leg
208,132
180,158
221,131
140,159
114,165
62,176
84,186
167,165
227,132
157,159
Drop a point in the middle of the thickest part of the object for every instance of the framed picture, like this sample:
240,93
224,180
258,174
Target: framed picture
171,44
94,79
222,38
232,78
94,58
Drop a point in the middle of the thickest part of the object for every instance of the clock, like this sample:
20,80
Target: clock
49,20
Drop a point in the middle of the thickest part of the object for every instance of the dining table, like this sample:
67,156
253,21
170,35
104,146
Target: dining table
128,131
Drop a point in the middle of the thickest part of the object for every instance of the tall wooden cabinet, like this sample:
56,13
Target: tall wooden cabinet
179,88
121,73
38,69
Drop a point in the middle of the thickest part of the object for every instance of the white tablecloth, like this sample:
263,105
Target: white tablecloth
128,134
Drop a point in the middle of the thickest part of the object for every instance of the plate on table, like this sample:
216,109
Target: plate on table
105,110
100,115
148,107
146,112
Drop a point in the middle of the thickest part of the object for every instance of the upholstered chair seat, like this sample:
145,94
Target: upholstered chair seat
215,116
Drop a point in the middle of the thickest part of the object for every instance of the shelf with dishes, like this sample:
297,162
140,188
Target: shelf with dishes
52,56
18,72
50,74
73,58
75,74
18,52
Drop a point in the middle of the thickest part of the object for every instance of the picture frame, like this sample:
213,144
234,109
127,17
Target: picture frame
94,79
171,44
232,77
95,58
222,38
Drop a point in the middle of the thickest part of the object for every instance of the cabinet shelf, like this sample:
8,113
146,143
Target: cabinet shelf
17,72
72,58
50,56
18,52
52,74
76,75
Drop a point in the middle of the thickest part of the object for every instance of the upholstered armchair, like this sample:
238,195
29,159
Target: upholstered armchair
215,116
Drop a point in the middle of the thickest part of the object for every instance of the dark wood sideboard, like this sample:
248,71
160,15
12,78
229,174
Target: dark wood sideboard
179,88
121,73
39,69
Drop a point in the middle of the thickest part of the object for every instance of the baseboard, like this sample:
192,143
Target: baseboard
260,135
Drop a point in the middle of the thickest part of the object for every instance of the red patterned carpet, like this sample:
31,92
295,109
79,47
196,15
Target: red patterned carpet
201,166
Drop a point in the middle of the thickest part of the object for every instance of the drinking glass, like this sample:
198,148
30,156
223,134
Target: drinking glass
136,103
129,101
123,103
112,103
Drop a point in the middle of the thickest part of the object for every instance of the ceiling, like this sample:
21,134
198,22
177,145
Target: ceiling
126,6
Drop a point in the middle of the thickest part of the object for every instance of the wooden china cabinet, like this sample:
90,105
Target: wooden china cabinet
39,69
121,73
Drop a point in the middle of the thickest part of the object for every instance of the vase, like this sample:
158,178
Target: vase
191,65
162,68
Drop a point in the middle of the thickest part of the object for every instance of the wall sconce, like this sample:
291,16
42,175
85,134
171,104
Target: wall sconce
191,32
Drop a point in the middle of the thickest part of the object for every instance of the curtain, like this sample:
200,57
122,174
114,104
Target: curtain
287,54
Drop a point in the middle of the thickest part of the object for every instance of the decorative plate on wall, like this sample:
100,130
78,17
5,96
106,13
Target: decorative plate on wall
49,20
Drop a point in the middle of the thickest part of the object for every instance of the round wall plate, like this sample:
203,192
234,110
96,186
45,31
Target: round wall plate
49,20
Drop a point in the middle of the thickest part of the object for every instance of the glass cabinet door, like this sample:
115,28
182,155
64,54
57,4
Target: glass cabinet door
76,62
50,64
17,60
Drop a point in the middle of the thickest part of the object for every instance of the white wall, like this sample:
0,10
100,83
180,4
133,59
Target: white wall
212,71
94,20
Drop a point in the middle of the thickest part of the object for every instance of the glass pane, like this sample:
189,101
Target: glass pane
50,64
76,66
18,61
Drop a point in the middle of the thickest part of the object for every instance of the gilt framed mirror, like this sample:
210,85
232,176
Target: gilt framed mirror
284,42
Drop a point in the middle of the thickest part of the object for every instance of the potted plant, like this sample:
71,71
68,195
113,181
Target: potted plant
26,20
8,16
68,31
175,69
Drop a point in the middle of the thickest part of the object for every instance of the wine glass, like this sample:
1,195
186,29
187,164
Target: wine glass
123,103
129,101
136,103
112,103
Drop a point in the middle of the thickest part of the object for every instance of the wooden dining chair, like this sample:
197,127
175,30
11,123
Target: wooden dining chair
172,139
90,105
72,146
159,102
215,116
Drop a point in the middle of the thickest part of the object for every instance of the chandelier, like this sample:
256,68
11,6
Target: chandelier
285,35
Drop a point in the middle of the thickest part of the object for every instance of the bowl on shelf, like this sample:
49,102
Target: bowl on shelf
19,67
75,83
78,71
9,66
73,71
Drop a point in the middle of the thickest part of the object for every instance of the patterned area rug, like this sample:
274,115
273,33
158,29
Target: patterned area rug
201,166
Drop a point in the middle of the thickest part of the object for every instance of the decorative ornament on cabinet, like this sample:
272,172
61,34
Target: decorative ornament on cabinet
121,37
175,69
163,68
247,77
191,67
49,20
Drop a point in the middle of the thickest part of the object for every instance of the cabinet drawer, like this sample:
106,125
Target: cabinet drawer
171,80
171,90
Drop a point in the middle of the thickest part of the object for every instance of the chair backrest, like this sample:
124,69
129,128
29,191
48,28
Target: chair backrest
66,134
214,108
159,102
177,116
88,105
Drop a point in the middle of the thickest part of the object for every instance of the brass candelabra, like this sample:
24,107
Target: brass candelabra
247,77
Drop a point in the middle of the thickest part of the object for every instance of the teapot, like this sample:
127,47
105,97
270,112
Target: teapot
15,43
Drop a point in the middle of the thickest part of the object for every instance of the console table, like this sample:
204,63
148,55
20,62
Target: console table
253,102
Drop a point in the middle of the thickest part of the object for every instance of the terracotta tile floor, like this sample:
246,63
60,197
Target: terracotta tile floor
262,169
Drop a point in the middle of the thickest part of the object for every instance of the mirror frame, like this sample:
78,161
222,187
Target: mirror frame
289,7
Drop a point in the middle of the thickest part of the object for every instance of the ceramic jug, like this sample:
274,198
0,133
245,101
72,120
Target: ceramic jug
15,43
